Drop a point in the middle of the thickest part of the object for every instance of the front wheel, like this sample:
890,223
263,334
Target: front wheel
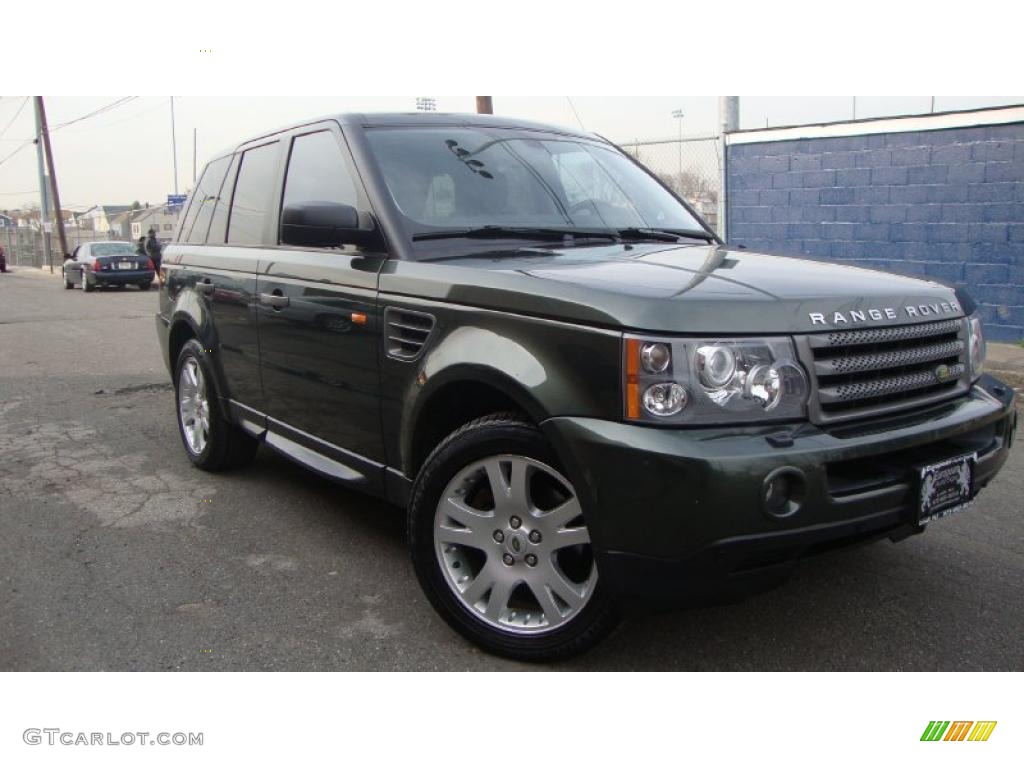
68,284
501,546
211,442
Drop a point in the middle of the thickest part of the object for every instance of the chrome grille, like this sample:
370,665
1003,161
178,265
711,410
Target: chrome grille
871,371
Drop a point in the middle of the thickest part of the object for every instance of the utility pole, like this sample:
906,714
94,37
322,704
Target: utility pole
854,107
58,214
193,158
484,105
729,121
44,189
174,147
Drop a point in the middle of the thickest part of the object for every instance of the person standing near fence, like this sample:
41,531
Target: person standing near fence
3,258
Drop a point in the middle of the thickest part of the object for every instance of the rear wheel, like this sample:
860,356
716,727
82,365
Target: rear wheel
501,547
85,282
211,442
146,285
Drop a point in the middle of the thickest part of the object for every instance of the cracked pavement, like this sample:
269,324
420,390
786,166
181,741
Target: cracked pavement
116,554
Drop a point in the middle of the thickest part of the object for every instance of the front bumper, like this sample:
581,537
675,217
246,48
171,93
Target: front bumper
680,512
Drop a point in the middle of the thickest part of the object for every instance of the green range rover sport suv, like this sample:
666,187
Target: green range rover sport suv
584,399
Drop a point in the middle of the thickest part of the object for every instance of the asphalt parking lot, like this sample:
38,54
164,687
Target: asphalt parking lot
116,554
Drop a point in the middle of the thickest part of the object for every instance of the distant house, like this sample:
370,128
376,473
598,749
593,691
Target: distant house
30,218
7,221
121,224
159,217
100,218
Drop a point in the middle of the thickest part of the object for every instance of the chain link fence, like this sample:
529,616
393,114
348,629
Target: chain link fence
690,166
25,245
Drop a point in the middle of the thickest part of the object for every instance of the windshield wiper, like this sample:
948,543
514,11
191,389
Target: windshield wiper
527,233
665,235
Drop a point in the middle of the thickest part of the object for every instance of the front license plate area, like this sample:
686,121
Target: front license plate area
946,487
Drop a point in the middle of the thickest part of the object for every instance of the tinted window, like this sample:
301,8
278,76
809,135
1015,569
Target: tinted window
317,171
251,201
219,224
204,198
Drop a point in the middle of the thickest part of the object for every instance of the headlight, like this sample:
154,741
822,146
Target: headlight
717,381
975,345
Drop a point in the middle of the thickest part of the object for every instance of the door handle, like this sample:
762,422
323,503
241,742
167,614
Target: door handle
206,287
275,300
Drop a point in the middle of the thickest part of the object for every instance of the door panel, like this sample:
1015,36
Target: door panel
231,306
319,329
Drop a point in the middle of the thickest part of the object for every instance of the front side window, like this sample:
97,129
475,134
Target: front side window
470,177
251,200
317,172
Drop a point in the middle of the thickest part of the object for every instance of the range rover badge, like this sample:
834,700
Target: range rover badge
877,314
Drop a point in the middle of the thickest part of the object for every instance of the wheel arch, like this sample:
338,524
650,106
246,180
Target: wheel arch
455,397
190,321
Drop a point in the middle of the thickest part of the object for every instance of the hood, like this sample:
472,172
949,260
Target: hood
678,288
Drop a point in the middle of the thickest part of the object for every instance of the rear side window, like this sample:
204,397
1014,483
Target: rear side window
200,209
219,225
251,200
317,171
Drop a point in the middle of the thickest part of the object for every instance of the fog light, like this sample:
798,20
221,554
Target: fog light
783,492
776,493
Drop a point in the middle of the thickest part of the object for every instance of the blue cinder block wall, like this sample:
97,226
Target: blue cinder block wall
947,204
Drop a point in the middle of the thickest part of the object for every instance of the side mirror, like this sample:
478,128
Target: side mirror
323,225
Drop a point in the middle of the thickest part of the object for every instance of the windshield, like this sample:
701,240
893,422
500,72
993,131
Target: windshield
461,178
111,249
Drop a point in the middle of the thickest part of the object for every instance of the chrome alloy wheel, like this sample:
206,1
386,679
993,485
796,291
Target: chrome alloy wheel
193,406
511,540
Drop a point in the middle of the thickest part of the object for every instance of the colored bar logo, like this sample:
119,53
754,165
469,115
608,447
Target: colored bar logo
958,730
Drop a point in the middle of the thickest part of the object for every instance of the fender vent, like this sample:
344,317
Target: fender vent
407,332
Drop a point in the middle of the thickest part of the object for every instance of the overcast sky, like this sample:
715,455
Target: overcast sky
125,154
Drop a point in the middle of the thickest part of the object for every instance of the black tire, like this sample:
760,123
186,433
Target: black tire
68,285
146,285
86,285
499,433
228,446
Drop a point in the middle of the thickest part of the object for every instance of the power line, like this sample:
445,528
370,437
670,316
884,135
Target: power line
30,141
113,105
573,107
134,115
9,124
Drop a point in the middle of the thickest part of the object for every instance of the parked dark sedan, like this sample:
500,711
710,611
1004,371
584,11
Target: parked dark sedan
108,263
